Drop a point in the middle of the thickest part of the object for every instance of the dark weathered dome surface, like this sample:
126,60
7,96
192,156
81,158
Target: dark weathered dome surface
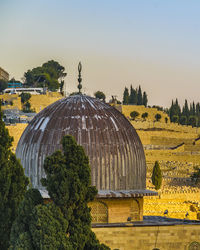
115,151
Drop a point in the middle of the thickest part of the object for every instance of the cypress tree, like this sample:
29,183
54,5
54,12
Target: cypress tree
192,121
193,109
171,111
190,110
144,99
126,96
156,176
133,96
198,113
68,183
174,110
13,185
139,96
186,109
177,108
183,120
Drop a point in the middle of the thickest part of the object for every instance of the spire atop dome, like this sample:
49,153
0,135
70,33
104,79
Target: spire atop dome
79,77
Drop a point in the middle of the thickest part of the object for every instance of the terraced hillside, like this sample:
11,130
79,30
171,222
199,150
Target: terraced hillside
176,147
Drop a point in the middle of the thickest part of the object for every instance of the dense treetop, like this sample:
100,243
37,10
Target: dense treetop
51,75
187,115
100,95
136,97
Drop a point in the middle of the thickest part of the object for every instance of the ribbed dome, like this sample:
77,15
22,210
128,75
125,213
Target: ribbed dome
115,151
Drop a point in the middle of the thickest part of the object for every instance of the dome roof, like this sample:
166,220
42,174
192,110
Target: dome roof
114,149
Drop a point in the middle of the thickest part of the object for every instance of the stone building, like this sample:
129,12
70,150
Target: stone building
118,170
4,75
118,167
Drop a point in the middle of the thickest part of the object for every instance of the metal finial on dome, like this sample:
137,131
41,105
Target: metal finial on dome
79,77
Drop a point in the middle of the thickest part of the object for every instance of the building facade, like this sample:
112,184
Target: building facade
118,170
4,75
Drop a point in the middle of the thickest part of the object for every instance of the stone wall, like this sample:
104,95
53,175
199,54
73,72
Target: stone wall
117,210
149,237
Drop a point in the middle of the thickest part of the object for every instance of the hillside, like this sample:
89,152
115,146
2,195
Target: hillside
176,147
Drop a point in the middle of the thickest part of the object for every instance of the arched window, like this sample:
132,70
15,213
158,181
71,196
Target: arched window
99,212
135,210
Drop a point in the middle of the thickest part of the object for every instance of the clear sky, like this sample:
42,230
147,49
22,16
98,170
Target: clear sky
154,43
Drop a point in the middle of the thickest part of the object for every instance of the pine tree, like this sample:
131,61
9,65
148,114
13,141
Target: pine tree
133,96
68,183
156,176
144,99
13,185
126,96
139,96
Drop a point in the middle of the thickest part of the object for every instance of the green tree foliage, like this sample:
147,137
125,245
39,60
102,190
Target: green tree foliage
183,120
38,225
139,96
133,96
3,85
25,97
126,96
68,183
134,114
186,116
192,120
13,185
144,99
174,110
158,117
51,74
100,95
175,118
145,115
156,176
193,109
20,228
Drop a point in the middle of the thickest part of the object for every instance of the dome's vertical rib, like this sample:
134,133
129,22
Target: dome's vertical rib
114,149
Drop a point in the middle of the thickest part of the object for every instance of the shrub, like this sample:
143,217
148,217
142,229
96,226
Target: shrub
134,114
158,117
145,115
